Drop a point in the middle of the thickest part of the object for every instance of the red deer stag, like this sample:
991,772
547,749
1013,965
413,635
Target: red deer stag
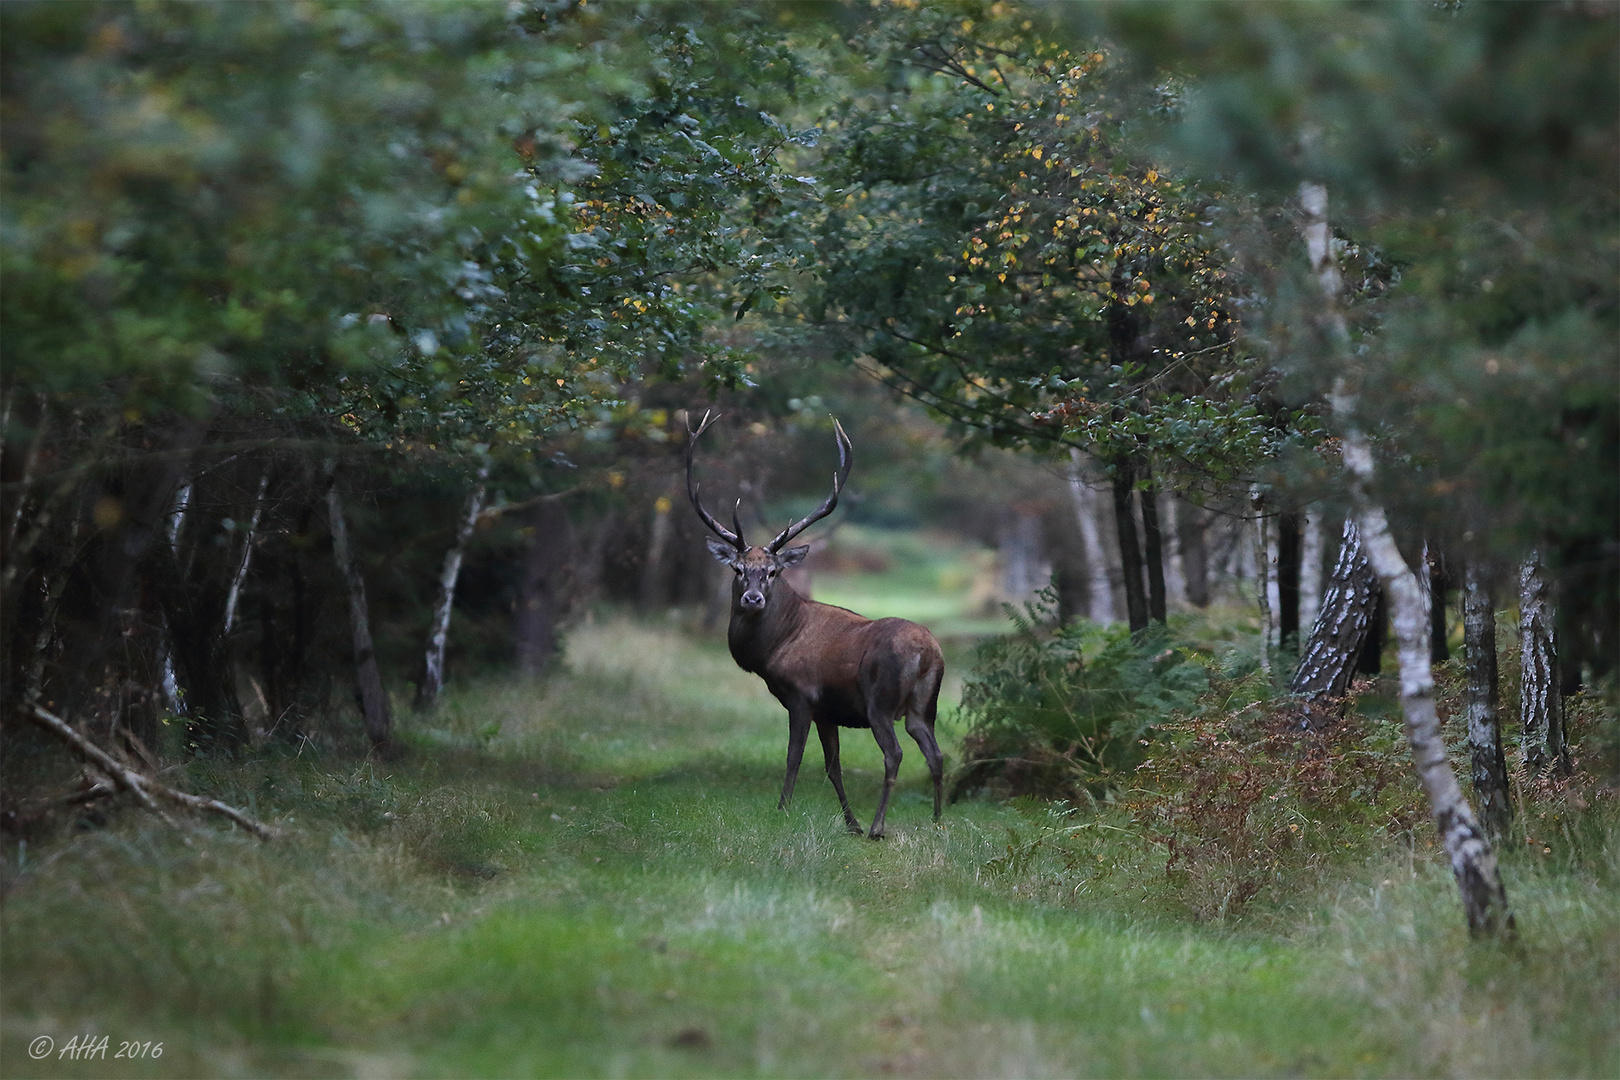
826,664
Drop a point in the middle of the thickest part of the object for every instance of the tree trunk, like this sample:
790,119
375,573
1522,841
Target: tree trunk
20,475
1371,659
652,570
1262,580
427,691
1130,551
173,699
1310,573
1341,630
1439,587
1194,554
538,608
1018,541
1541,701
1484,724
1100,599
1175,565
379,720
1288,577
235,593
1152,544
1473,863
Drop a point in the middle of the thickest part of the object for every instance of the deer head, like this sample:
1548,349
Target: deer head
758,567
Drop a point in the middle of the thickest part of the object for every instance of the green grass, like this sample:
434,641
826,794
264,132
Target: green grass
589,877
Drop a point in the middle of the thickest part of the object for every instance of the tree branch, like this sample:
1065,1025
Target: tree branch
143,787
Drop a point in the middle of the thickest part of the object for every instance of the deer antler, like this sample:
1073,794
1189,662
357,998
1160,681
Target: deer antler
735,539
844,462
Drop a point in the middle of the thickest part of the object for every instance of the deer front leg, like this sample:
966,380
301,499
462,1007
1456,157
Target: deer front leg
798,733
829,751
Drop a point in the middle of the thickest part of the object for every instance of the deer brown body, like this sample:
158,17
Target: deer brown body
827,665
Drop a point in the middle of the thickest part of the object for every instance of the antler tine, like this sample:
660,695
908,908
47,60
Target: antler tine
733,538
736,523
845,461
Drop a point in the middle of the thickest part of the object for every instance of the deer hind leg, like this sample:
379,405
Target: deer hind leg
920,716
921,729
883,730
828,730
798,733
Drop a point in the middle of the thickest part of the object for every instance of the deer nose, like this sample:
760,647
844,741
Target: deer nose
753,598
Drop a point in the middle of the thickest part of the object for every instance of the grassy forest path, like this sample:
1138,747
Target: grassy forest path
589,877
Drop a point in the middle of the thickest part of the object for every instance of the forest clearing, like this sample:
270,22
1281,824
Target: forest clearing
453,454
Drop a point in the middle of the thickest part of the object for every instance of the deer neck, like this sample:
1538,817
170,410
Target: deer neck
754,636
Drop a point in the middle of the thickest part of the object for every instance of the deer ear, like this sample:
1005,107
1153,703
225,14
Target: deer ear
722,551
793,556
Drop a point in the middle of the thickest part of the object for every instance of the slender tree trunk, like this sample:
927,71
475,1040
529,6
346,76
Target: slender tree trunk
1194,554
1541,702
1152,544
1371,660
538,609
1473,862
652,571
1018,542
1130,551
1489,766
379,720
1288,576
1262,580
427,691
235,593
1439,588
24,472
1175,564
169,684
1310,573
1100,600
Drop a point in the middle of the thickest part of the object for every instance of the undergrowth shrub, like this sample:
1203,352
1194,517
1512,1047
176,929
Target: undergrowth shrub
1244,801
1066,711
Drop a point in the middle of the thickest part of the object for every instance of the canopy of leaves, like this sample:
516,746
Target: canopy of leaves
443,225
1472,150
994,247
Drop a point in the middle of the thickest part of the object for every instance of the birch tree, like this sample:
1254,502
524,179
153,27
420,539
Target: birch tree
1487,762
427,691
1473,863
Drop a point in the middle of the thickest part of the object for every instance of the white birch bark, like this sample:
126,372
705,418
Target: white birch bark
168,680
1488,764
1541,702
1262,579
235,593
1473,862
439,632
1100,599
1310,572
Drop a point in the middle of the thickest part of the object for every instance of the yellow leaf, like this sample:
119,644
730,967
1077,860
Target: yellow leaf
1037,152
